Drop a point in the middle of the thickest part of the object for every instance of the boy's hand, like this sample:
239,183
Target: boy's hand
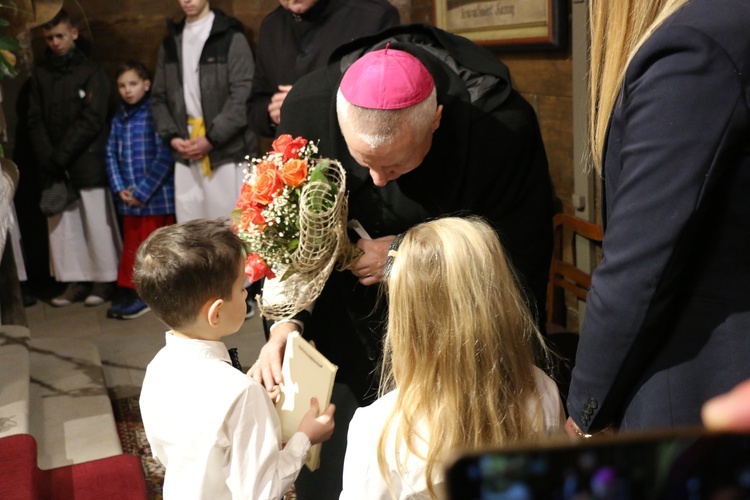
126,196
197,148
318,428
180,145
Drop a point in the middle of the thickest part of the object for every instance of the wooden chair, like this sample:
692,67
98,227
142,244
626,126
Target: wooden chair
564,277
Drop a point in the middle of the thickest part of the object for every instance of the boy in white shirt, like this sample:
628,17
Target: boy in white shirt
214,428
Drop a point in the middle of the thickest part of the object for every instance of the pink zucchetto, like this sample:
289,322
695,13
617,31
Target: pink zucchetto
386,79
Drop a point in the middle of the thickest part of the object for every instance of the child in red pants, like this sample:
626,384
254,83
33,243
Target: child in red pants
141,175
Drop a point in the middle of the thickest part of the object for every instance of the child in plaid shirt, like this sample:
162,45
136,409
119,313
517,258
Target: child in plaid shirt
141,175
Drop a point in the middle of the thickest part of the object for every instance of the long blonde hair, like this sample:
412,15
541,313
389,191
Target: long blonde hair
618,29
460,346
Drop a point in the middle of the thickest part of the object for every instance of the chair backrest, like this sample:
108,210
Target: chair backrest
564,275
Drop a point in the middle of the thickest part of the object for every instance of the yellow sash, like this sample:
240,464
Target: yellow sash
198,129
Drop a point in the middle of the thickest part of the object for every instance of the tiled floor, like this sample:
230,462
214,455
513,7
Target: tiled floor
125,346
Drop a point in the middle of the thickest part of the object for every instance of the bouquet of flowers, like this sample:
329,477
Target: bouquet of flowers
291,214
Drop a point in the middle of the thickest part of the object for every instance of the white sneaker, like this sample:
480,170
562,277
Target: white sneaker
93,300
75,292
100,293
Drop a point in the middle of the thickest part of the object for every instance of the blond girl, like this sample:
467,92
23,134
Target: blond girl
458,367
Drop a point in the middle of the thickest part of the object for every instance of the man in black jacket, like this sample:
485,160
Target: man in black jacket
298,37
481,154
67,120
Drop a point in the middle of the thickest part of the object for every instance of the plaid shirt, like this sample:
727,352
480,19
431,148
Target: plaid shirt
137,159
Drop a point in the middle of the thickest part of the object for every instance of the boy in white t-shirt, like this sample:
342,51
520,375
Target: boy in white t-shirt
213,427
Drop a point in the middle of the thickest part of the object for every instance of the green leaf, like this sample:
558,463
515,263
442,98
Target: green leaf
288,274
237,216
7,43
318,174
293,244
4,22
321,201
6,68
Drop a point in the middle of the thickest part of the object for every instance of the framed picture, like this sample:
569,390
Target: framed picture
505,23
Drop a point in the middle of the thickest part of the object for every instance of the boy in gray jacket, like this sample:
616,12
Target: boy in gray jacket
201,88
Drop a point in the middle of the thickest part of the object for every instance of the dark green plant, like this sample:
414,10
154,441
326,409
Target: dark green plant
8,45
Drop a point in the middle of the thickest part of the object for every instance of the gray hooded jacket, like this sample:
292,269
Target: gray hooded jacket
226,75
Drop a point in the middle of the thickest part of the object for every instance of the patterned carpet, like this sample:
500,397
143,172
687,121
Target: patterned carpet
133,438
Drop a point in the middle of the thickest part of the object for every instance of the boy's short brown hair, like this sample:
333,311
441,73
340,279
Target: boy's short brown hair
180,267
60,17
140,69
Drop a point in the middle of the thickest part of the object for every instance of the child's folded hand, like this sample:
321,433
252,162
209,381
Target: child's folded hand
126,195
318,428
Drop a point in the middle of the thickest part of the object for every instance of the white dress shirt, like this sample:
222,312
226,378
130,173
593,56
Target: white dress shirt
213,427
362,478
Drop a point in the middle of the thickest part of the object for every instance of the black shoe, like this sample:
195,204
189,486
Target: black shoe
28,298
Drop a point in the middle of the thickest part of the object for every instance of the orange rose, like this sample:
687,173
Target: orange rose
263,166
245,198
268,184
252,215
256,268
292,149
279,145
288,147
294,172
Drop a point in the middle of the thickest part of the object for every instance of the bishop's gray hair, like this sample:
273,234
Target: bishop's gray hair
379,127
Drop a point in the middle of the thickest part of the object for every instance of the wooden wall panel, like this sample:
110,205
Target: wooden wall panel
544,78
547,73
118,33
251,14
556,123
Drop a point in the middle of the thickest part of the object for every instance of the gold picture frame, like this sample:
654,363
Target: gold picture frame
505,23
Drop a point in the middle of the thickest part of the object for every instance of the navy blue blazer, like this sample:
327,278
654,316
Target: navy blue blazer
667,323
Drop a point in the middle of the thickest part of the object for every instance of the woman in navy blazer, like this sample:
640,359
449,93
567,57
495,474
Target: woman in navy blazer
667,323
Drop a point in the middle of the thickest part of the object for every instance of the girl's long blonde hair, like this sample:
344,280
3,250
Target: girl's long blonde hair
618,29
460,346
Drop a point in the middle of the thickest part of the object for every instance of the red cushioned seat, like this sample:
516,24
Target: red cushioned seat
118,477
20,478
